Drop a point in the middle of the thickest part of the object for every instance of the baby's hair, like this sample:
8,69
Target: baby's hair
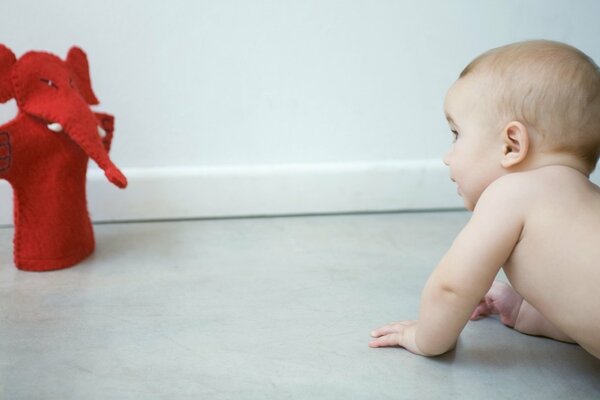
552,88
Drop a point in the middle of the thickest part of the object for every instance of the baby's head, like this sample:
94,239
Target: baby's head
550,87
521,103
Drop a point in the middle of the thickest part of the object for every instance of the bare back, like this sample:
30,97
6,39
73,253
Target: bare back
555,265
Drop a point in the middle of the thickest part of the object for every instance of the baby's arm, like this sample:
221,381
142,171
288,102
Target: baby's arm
463,276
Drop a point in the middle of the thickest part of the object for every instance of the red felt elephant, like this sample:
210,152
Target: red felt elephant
44,153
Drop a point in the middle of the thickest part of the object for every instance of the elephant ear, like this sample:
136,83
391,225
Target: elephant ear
7,60
78,63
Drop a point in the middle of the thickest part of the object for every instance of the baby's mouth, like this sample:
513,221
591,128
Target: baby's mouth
457,187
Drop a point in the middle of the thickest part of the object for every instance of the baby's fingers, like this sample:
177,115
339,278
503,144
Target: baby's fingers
393,339
384,330
394,327
482,310
397,334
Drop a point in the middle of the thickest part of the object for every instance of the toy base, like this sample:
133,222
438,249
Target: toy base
52,265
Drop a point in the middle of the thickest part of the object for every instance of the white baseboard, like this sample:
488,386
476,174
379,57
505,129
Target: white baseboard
201,192
212,192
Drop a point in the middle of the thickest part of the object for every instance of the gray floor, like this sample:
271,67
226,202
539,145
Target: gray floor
259,308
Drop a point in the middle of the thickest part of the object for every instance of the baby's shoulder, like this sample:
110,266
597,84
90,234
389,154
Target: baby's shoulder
553,184
506,197
514,186
520,190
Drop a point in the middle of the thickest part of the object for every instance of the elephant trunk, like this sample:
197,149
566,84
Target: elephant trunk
80,124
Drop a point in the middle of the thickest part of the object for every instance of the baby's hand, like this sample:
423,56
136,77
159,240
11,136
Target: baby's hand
400,333
500,299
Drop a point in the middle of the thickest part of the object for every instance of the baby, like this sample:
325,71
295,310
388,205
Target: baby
526,124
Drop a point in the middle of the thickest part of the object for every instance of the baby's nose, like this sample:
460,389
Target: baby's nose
446,159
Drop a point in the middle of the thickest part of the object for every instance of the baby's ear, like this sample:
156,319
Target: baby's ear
516,144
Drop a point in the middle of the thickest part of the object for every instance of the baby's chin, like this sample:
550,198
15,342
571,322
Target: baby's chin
469,205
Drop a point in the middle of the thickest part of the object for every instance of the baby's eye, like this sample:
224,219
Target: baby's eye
455,134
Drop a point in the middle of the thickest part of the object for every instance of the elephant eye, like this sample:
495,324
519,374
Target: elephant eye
49,82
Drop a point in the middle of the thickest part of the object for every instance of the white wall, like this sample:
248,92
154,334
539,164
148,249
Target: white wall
261,107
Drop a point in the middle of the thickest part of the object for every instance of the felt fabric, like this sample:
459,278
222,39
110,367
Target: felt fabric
47,169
